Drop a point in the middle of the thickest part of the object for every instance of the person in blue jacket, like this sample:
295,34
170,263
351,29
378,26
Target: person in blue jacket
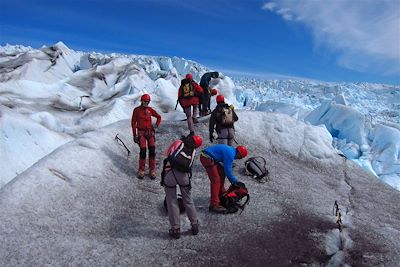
218,160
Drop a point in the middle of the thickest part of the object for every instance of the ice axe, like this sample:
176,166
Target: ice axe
120,142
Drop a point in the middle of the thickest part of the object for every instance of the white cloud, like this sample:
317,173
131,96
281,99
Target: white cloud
366,34
269,6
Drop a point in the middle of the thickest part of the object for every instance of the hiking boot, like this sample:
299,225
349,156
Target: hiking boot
175,233
191,133
140,174
217,209
195,229
153,175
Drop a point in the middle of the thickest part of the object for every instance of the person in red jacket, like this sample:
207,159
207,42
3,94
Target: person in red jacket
188,97
143,132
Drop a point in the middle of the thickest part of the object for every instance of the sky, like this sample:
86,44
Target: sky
342,40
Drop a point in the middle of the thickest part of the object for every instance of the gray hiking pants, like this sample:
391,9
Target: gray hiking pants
171,180
190,115
226,135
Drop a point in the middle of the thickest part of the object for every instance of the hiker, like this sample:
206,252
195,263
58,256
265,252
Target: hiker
222,120
188,97
144,133
207,91
178,173
217,160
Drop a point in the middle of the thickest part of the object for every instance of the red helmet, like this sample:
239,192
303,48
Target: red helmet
197,140
145,97
189,76
242,151
214,91
220,99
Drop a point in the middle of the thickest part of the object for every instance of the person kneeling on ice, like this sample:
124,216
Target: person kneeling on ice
177,170
218,160
144,133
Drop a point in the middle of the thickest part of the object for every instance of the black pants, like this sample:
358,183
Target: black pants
205,105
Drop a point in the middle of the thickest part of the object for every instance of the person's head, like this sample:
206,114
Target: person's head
197,141
214,91
189,76
220,99
241,152
145,99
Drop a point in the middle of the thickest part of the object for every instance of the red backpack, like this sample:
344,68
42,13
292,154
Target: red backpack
232,199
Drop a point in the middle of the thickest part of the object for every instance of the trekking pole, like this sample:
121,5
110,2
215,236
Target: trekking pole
119,141
176,104
235,141
338,216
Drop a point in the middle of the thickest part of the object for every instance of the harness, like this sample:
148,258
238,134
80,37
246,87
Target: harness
146,132
164,173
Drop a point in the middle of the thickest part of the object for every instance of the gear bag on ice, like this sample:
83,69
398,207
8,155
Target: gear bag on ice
255,167
235,198
180,203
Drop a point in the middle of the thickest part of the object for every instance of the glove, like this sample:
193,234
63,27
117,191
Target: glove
211,137
240,184
232,107
136,139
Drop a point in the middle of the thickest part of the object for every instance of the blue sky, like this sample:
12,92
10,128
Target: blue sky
328,40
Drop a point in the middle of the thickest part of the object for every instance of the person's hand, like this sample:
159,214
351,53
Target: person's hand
211,137
232,107
136,139
240,184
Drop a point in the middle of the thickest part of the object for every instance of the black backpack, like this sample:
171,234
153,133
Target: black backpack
255,166
180,203
187,89
182,158
232,199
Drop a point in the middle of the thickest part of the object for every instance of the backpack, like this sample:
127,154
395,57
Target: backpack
180,203
226,116
187,89
232,199
182,158
255,166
